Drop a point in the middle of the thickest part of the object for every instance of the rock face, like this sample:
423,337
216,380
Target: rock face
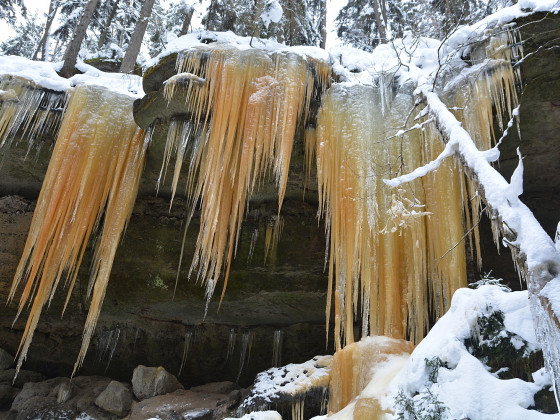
7,395
7,377
149,382
539,124
141,322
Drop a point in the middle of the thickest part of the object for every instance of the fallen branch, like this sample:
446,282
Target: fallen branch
533,251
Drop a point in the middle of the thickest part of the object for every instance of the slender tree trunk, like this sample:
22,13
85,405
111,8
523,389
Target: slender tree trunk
258,8
187,22
53,7
103,35
323,24
133,48
379,21
71,53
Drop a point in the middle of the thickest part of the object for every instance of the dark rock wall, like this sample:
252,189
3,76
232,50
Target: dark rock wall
286,293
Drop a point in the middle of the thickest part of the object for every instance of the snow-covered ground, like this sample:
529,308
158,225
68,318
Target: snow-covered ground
442,376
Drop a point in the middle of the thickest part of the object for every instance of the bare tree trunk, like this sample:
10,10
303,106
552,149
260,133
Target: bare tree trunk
71,53
323,24
379,21
258,10
53,7
187,22
133,48
110,18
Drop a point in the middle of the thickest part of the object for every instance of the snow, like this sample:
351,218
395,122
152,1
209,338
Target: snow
210,39
272,13
552,292
259,415
289,381
461,384
464,385
44,74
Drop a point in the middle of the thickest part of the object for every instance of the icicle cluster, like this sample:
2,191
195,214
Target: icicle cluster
245,108
94,170
28,111
391,257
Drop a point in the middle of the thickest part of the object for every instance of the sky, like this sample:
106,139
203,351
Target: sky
41,7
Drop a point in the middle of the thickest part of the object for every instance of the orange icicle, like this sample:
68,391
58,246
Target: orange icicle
95,168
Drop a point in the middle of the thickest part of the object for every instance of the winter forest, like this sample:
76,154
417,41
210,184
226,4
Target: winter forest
279,209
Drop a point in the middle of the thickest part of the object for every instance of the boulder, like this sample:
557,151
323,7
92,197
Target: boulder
89,388
6,359
64,392
234,398
149,382
116,398
60,398
37,394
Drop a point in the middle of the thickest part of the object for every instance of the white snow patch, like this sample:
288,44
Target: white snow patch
272,13
44,74
464,384
259,415
290,380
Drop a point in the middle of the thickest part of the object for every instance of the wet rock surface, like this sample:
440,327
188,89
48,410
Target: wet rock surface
148,382
142,322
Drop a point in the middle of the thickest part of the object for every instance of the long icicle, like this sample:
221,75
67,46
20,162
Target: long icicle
94,170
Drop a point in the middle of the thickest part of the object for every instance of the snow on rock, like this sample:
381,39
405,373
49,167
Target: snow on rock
289,382
443,373
209,39
45,75
443,379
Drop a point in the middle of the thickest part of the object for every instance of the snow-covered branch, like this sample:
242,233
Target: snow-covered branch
533,251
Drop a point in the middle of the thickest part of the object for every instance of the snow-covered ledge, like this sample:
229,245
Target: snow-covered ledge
533,251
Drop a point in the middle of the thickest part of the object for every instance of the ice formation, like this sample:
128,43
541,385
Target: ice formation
387,249
365,369
395,257
245,115
29,111
95,170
